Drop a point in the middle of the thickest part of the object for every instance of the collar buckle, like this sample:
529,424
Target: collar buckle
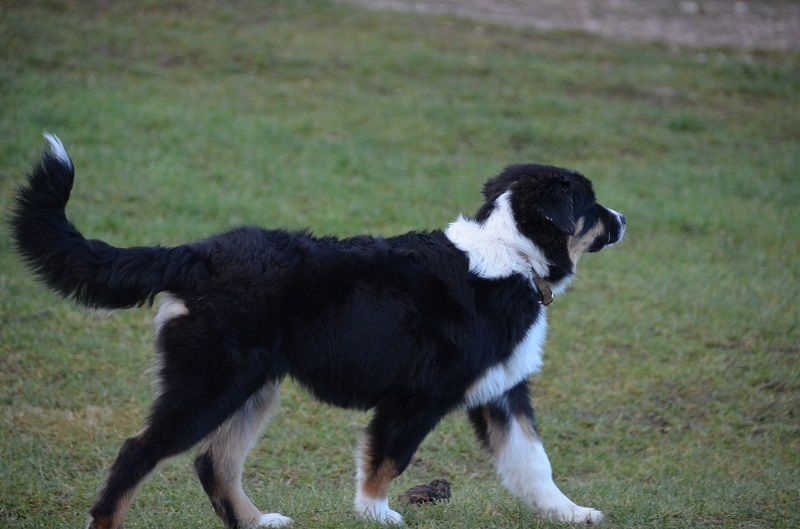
545,293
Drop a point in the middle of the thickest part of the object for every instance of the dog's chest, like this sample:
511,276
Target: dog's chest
525,360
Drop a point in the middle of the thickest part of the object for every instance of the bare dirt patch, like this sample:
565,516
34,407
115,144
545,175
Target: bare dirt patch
762,24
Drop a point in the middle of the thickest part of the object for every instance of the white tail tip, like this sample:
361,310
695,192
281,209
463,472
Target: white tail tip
56,148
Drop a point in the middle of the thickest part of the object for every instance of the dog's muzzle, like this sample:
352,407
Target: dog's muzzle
617,234
614,224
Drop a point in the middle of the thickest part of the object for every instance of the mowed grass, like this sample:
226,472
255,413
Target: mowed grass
670,395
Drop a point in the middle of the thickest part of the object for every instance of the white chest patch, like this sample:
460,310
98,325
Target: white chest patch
496,248
523,362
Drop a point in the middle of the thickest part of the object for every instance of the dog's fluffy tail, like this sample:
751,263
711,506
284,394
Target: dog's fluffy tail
89,271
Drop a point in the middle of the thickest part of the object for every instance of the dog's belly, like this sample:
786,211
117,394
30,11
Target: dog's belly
525,360
359,362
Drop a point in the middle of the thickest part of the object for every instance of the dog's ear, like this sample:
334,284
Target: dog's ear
548,196
554,203
540,193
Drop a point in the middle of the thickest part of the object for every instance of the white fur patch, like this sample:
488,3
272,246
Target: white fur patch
523,362
57,149
525,471
496,248
274,519
376,509
170,308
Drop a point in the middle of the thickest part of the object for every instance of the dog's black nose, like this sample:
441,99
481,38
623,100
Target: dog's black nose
622,219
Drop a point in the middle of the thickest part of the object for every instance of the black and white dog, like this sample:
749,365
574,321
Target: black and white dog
412,327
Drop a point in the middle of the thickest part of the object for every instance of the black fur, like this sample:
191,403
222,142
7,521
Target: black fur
91,272
399,325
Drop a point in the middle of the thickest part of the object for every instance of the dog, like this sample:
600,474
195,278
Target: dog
411,327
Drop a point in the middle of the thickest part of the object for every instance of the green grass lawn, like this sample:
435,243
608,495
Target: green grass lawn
670,395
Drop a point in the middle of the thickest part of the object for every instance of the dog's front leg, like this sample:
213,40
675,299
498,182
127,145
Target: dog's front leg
507,430
394,434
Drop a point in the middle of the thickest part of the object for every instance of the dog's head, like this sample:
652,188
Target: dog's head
555,209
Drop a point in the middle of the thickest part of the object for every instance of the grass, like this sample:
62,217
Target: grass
670,395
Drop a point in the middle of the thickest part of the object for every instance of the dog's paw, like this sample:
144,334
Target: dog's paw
274,519
379,511
385,516
576,514
376,510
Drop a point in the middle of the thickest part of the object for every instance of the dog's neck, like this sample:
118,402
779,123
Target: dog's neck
496,248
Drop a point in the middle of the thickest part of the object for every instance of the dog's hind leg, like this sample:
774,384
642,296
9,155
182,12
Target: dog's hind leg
507,430
222,456
202,384
138,456
177,422
392,437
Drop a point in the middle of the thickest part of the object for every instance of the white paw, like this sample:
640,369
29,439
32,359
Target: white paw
576,514
385,516
274,519
378,511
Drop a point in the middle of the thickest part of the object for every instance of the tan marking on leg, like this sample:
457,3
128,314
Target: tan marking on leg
527,428
375,481
101,522
115,519
495,434
230,444
376,484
